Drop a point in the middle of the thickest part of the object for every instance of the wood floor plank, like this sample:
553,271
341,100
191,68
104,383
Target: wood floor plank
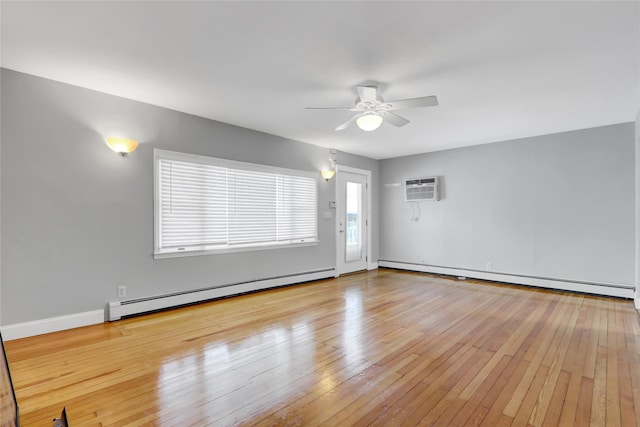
495,406
583,411
612,376
528,403
454,385
599,397
567,416
632,356
425,397
552,414
464,414
384,347
627,411
544,398
552,336
507,348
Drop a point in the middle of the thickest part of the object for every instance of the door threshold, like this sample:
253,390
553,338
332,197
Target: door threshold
364,270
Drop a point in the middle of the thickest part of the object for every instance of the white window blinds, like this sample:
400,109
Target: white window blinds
208,204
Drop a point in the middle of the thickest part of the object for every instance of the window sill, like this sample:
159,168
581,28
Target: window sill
200,252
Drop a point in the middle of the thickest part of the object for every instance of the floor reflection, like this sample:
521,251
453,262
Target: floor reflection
277,363
352,331
219,380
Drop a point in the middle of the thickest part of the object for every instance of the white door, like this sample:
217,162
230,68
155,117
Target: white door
352,222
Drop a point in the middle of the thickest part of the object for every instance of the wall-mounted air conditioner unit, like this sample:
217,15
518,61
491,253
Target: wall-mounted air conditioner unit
421,189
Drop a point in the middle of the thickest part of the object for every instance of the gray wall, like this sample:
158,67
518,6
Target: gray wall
558,206
0,206
77,219
637,146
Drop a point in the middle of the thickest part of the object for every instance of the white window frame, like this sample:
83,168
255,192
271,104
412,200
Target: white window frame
159,253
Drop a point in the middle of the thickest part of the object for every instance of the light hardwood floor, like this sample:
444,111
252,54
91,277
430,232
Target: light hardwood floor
379,348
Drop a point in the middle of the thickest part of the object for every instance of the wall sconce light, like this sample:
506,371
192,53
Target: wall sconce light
328,174
122,145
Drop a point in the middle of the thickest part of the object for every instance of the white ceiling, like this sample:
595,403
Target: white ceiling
501,70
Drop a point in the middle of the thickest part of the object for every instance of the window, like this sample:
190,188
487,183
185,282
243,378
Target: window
207,205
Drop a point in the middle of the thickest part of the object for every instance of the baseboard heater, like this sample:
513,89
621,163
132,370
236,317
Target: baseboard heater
120,309
608,289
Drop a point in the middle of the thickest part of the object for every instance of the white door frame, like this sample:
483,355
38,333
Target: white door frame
367,173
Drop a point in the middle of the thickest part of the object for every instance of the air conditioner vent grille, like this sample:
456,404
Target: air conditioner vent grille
421,189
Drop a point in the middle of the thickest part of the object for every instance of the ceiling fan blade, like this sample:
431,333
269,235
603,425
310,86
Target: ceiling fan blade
425,101
395,119
347,123
367,93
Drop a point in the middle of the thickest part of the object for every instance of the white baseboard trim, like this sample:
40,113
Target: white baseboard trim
372,266
637,302
590,288
52,324
120,309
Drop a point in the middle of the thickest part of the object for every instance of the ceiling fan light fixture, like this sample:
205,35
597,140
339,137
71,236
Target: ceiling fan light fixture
369,121
371,110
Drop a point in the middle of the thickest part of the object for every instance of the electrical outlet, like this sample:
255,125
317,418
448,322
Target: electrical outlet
122,291
489,266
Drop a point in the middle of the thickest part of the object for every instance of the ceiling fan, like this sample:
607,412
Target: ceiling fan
372,110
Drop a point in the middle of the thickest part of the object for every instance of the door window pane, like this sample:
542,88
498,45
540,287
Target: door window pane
353,242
